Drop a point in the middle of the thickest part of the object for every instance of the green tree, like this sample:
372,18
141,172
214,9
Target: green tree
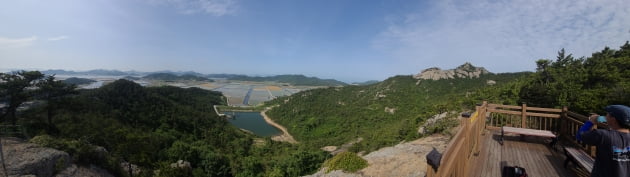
16,89
53,92
583,84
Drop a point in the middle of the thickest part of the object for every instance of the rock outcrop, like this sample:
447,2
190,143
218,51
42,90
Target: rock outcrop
404,159
30,159
466,70
181,164
135,169
431,121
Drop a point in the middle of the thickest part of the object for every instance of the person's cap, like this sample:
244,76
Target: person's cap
620,112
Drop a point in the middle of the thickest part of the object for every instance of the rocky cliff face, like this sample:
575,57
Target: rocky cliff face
27,159
404,159
466,70
30,159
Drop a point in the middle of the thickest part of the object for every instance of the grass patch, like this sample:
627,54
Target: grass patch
346,161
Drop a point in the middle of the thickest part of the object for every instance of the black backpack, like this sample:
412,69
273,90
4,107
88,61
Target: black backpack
514,171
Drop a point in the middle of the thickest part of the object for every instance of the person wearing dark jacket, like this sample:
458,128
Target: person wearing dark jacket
613,145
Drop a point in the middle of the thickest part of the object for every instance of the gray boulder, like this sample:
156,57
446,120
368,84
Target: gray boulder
92,171
23,158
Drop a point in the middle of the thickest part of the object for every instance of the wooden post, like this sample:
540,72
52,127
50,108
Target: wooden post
465,142
483,119
592,149
478,119
430,171
4,167
563,121
524,116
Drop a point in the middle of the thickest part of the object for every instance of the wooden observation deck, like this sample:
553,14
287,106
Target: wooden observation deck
475,149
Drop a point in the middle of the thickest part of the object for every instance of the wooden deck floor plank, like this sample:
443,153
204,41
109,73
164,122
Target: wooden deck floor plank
540,162
537,169
494,159
532,153
477,168
495,166
522,153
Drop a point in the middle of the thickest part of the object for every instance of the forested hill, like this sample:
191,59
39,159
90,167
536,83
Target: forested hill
390,111
382,114
145,126
153,127
173,77
298,80
98,72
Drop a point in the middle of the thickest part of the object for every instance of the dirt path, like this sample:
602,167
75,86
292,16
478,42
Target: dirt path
285,136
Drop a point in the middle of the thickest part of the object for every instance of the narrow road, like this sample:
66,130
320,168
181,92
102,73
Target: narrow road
285,136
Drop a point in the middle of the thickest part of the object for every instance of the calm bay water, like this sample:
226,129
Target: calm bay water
253,122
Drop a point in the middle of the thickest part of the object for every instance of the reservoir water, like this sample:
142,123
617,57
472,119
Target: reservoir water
253,122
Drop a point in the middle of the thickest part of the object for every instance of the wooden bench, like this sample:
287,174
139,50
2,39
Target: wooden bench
530,132
579,157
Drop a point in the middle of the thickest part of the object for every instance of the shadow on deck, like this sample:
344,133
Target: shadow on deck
531,153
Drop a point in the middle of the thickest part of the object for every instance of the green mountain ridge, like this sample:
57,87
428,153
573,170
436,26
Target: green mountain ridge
298,80
173,77
97,72
370,82
383,114
389,112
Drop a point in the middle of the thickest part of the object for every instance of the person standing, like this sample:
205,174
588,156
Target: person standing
613,145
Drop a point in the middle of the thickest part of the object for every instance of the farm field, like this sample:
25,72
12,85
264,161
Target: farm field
251,93
238,93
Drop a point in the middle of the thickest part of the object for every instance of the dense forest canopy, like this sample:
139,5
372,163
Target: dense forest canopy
382,114
153,127
582,84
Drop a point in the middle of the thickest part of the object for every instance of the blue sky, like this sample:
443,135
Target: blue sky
349,40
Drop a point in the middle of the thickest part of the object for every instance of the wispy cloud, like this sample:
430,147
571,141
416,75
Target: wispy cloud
16,42
493,32
58,38
213,7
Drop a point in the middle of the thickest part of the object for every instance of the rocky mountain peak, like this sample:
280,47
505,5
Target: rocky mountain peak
467,70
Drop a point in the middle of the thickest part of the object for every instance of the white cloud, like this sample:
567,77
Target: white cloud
17,42
58,38
213,7
491,32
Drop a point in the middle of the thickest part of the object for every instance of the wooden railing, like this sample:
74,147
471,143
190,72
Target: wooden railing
571,123
523,117
459,153
457,157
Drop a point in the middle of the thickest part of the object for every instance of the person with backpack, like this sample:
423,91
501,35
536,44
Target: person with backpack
613,145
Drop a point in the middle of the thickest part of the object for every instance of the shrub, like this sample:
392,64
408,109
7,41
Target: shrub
346,161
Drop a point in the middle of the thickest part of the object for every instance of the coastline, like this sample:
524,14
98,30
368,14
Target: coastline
285,136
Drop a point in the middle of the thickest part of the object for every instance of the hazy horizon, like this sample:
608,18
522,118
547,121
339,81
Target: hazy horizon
351,41
182,71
